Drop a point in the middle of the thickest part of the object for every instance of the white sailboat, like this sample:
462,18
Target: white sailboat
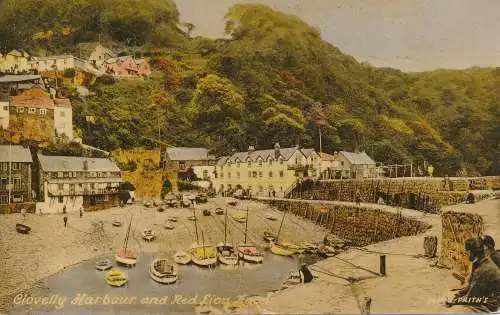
226,253
249,252
125,255
203,255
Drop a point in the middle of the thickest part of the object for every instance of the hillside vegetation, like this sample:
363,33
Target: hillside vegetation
271,79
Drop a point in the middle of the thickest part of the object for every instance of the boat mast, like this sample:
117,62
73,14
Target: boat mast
195,224
203,244
225,228
128,232
282,220
246,227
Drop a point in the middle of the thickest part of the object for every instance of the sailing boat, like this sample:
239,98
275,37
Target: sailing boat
284,248
202,255
125,255
226,252
249,252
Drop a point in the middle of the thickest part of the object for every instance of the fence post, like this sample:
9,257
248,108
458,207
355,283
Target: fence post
382,265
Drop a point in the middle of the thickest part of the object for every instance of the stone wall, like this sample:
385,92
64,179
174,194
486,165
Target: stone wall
16,207
457,228
426,194
356,225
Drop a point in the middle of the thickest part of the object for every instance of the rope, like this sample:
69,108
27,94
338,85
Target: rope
386,253
359,267
329,273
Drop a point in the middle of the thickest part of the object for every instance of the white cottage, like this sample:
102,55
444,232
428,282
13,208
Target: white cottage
77,182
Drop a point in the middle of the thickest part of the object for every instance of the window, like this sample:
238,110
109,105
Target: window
92,186
15,166
20,109
60,186
342,163
282,174
221,175
43,111
32,110
62,114
61,199
270,174
3,183
72,188
270,162
66,174
254,174
237,174
6,108
5,166
229,175
60,174
17,182
260,174
260,162
4,199
249,163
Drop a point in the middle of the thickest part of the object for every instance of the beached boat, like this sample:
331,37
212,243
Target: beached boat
232,203
172,218
23,229
203,255
192,218
239,218
148,203
207,213
116,278
248,252
148,235
117,223
162,271
326,251
103,265
125,255
309,248
169,225
226,254
219,211
270,217
298,249
182,258
160,209
269,237
281,251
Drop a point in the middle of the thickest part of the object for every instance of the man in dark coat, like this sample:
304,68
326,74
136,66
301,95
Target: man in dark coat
483,291
490,250
65,220
305,274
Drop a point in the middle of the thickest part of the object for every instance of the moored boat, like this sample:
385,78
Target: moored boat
270,217
117,223
269,237
226,254
162,271
250,253
240,218
219,211
298,249
281,251
124,255
103,265
169,225
203,255
172,218
148,235
182,258
23,229
326,251
116,278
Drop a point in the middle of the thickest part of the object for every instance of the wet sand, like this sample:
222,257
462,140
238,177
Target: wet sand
49,248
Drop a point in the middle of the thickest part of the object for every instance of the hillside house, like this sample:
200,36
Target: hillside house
34,115
94,53
127,67
61,63
199,160
15,167
265,171
15,62
330,166
356,165
76,182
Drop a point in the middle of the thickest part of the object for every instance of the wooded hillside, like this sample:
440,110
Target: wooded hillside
271,79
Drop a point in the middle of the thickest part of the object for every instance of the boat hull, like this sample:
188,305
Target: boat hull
207,262
104,265
182,258
163,278
127,261
248,256
278,250
23,229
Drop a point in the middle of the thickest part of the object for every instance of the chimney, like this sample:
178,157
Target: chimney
251,148
276,150
85,165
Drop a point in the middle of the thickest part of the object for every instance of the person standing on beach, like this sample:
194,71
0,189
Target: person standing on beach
64,209
65,221
81,212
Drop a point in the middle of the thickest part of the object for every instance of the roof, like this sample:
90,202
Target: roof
75,164
187,154
308,152
32,101
326,157
85,50
18,154
222,160
53,57
19,78
62,102
285,153
357,158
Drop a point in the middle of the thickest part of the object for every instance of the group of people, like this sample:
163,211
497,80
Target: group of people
481,286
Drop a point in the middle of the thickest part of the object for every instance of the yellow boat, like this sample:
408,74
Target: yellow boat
116,278
280,250
203,255
298,249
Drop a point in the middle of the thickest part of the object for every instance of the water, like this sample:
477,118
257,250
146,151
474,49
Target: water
64,291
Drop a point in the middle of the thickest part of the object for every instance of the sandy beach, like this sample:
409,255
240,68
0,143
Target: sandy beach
49,248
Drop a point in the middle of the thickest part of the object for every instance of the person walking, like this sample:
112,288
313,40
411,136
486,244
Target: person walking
81,212
64,209
65,221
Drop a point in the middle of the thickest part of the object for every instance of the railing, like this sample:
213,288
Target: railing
83,192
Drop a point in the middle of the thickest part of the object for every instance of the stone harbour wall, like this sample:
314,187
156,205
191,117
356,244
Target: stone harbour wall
457,228
358,226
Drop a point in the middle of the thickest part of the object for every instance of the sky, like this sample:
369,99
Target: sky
411,35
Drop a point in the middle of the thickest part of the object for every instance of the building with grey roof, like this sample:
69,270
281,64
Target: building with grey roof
198,159
269,172
356,165
15,174
72,183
